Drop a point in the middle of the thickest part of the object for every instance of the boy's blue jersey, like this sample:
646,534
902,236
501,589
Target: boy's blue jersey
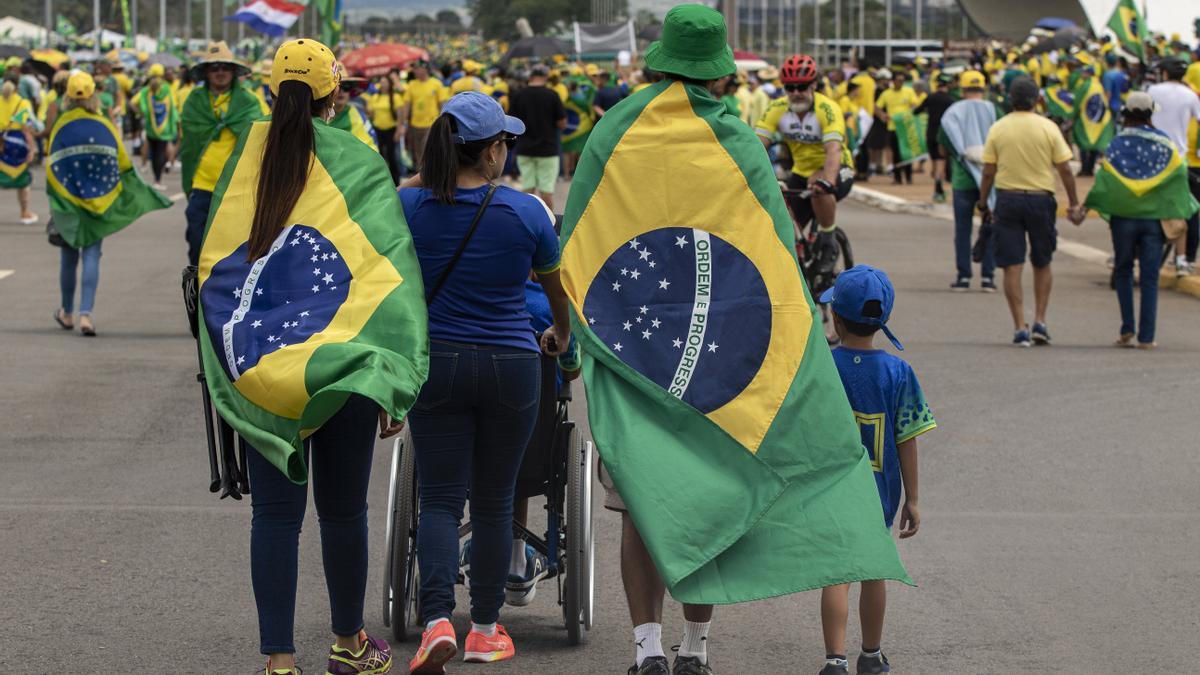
890,409
541,318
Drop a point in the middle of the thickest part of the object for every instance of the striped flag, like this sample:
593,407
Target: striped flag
273,17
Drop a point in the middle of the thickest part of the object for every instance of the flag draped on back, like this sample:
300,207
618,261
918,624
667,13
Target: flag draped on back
201,126
1059,102
1093,118
1142,176
15,114
159,111
353,120
336,306
712,395
1128,24
93,188
580,114
910,136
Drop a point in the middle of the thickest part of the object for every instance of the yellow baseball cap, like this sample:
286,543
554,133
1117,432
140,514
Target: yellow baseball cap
12,62
591,69
80,85
156,70
972,79
307,61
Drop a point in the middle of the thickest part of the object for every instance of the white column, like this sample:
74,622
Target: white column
208,20
919,3
887,32
96,25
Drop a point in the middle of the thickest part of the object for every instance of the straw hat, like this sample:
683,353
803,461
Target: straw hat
218,52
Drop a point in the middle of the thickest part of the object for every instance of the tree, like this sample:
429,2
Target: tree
449,18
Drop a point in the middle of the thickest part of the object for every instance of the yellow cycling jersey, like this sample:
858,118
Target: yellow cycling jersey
805,135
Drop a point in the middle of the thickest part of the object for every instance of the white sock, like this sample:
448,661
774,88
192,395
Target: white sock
695,640
516,566
431,624
488,629
837,662
647,638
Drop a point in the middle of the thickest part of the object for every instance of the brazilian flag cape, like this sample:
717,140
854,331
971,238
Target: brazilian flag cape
353,120
1142,176
1093,119
335,307
15,114
581,115
159,111
712,394
1060,103
910,137
93,188
1130,28
201,126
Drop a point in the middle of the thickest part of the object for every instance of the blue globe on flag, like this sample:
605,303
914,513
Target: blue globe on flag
252,309
1138,158
83,159
687,310
15,150
1095,108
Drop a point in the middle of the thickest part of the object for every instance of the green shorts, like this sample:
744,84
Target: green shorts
538,173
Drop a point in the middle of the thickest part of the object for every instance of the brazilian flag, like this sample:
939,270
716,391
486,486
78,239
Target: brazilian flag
355,121
1128,24
1060,103
712,395
335,307
1093,119
1142,176
581,115
910,137
15,114
93,188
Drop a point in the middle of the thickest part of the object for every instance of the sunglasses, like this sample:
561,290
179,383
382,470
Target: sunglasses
219,67
510,142
797,87
348,87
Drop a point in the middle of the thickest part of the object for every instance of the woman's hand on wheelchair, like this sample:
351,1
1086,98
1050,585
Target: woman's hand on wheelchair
389,427
555,340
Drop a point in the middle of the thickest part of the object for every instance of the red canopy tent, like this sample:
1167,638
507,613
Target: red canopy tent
378,59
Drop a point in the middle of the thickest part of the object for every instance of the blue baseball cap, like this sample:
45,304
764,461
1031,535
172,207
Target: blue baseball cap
480,117
856,287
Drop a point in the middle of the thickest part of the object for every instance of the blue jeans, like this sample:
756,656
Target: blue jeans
1143,239
470,426
199,202
964,212
68,262
341,453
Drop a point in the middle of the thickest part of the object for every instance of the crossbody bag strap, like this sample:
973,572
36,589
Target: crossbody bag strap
462,246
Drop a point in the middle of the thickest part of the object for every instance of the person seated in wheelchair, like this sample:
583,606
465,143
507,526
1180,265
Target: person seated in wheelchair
528,566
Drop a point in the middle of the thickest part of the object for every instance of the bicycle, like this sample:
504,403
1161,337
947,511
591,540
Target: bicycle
820,271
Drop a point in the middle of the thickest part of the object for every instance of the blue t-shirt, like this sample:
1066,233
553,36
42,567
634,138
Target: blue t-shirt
542,318
1115,83
483,299
890,409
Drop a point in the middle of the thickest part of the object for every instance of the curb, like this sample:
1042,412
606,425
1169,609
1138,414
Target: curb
1189,285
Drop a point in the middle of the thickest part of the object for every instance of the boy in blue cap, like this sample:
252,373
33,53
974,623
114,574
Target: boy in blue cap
891,413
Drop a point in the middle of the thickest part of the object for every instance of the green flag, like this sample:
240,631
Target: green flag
93,188
712,395
201,126
1130,28
580,113
1142,176
910,136
64,27
335,307
331,21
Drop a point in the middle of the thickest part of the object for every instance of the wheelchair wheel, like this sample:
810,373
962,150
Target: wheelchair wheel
579,585
400,609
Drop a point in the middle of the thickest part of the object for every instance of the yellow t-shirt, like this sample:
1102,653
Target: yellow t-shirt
895,101
424,101
864,95
181,92
1025,146
212,162
382,112
466,83
1192,76
563,93
1193,154
806,135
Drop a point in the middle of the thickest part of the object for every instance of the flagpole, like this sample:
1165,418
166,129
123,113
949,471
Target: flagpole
887,30
96,26
780,27
862,31
133,22
187,28
162,23
49,21
208,20
918,3
817,31
837,28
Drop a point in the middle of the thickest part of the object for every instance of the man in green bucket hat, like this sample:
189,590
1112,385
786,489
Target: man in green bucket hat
693,45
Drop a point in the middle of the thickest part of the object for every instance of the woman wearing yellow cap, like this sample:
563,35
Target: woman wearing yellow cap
156,106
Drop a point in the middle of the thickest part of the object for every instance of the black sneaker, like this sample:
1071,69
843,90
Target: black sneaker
690,665
839,668
653,665
988,285
1021,338
872,665
963,284
1040,335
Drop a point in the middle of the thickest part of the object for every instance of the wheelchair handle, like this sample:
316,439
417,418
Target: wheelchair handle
564,392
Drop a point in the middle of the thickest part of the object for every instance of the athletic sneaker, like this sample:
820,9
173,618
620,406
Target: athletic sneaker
988,285
374,657
1041,335
1021,338
486,649
519,590
872,665
438,645
963,284
690,665
279,671
839,667
651,665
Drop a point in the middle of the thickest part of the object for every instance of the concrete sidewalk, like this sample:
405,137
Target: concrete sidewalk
917,199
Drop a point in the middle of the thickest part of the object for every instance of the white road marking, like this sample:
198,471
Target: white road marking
7,273
177,197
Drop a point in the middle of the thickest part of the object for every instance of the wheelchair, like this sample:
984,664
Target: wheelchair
558,466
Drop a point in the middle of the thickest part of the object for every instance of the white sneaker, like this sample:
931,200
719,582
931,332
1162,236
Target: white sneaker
1182,268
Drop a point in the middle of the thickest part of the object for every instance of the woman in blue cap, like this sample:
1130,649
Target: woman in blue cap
477,243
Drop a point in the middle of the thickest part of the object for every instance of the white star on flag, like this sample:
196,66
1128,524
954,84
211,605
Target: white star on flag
333,256
643,309
681,241
328,279
256,324
617,286
655,323
634,243
314,258
295,241
624,272
712,347
635,274
304,313
645,335
591,321
627,325
617,346
663,284
237,293
324,256
241,360
651,264
258,291
316,271
316,288
676,343
644,254
271,338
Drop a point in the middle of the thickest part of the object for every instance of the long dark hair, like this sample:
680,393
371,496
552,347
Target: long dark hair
286,161
444,158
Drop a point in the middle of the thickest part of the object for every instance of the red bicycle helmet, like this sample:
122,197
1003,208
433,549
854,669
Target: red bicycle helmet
798,69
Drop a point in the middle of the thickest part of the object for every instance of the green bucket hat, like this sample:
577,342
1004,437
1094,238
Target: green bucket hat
693,44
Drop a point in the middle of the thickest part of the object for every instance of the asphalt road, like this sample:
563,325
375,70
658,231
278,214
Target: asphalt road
1059,494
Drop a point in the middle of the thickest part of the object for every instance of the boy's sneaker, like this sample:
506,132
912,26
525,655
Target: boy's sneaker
872,665
1040,334
963,284
464,562
1021,338
488,648
988,285
839,667
373,657
519,590
438,645
651,665
690,665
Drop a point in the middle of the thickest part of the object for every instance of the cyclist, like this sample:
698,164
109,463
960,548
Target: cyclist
812,127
